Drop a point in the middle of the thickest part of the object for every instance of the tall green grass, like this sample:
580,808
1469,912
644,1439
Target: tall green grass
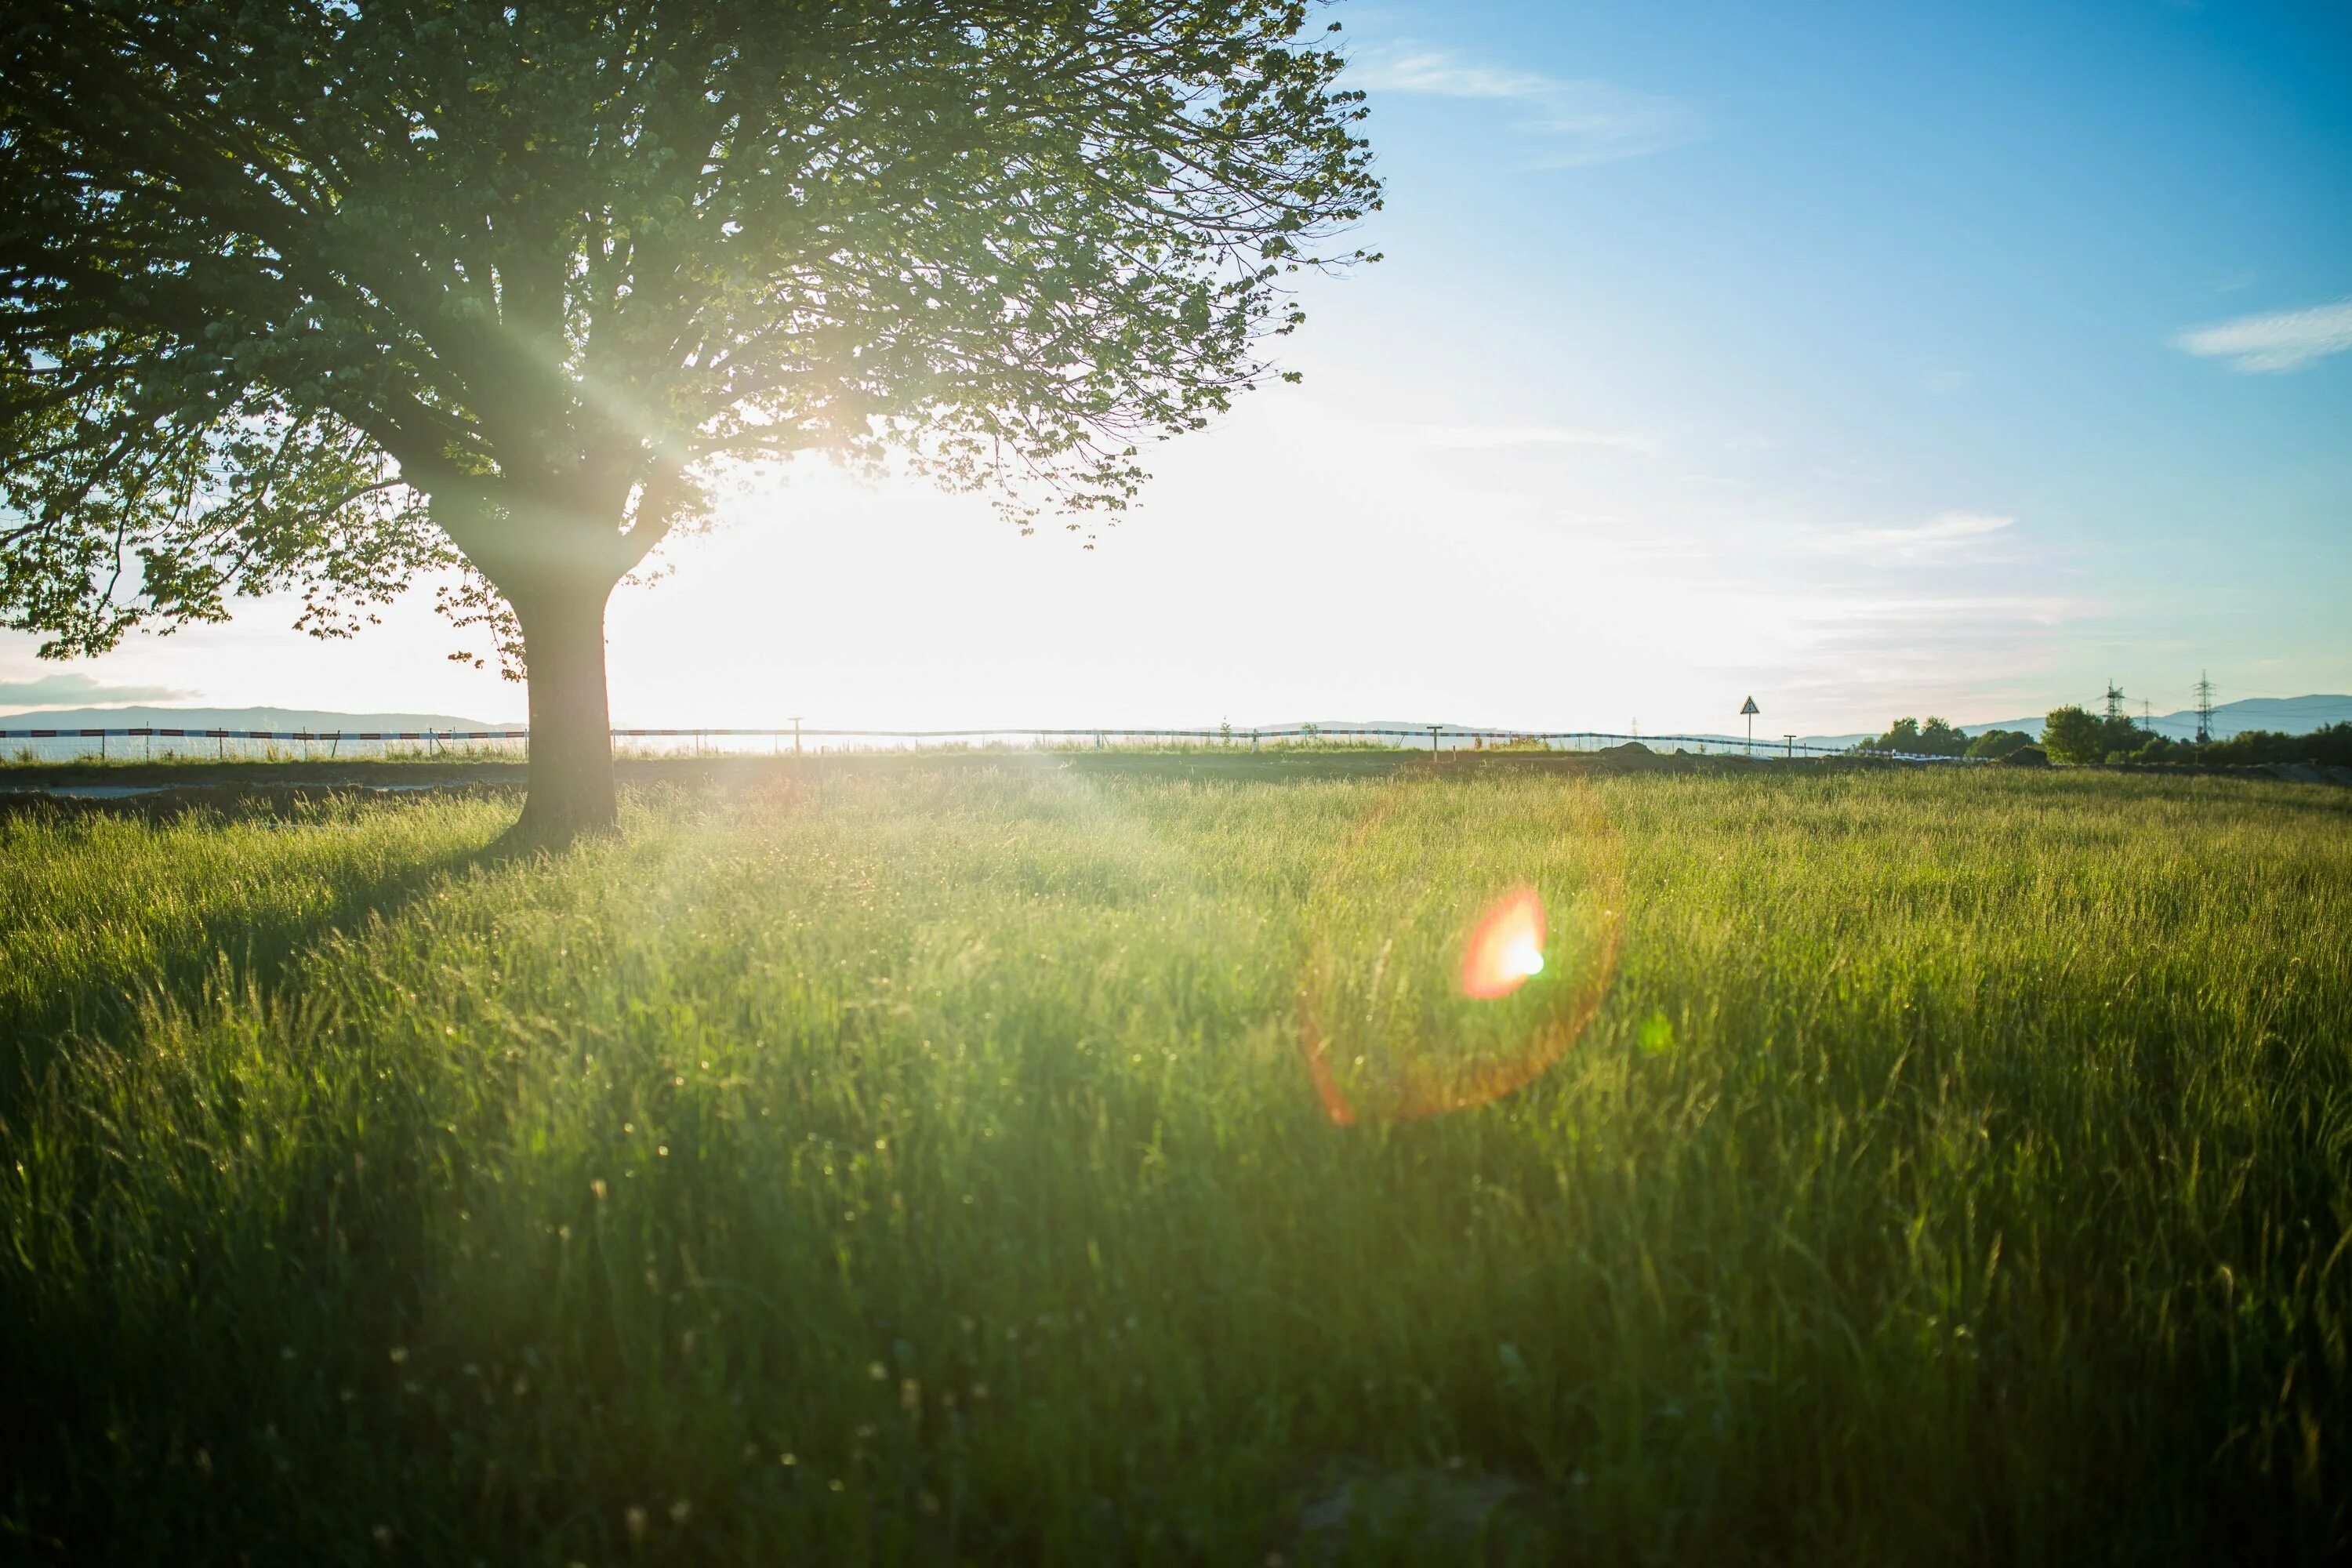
917,1163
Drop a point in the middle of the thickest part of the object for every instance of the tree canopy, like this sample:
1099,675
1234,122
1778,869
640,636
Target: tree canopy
2071,735
2327,746
1909,737
319,295
1995,744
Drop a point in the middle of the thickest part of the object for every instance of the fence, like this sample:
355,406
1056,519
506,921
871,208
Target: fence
71,744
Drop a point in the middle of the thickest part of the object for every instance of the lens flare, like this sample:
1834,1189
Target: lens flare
1505,948
1424,993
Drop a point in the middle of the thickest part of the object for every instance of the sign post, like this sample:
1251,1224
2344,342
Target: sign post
1748,711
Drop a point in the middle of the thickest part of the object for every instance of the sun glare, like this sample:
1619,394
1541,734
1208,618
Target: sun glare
1506,947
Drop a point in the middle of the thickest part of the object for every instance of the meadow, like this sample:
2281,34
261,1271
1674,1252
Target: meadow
920,1161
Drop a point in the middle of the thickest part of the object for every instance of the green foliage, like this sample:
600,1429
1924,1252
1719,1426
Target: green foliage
308,295
2072,736
1936,737
2155,748
1995,744
916,1166
2329,746
1902,735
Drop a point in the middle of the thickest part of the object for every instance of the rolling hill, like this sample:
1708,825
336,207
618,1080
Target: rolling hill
314,720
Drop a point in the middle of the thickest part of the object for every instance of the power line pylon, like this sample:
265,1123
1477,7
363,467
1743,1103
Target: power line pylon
2115,700
2204,710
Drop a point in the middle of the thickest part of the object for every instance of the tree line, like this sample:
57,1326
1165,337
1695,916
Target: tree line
1938,737
2074,735
2077,737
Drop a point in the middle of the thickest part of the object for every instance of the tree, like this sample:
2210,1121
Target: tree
1909,737
2120,735
2071,735
322,295
1902,735
1938,737
1995,744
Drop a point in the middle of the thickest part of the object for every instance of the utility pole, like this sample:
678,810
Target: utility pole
2204,710
1792,746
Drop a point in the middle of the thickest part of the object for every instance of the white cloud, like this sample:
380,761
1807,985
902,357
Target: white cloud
2284,339
1949,536
73,687
1586,121
1491,437
1920,616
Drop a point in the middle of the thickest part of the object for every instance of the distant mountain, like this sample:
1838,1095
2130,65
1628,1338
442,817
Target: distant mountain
297,719
2292,715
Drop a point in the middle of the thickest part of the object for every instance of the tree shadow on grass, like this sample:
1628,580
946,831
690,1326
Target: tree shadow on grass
229,944
147,1328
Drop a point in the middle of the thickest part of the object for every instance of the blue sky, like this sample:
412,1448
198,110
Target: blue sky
1876,359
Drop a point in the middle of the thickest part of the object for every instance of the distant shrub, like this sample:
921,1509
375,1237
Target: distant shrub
1996,744
1936,737
2328,747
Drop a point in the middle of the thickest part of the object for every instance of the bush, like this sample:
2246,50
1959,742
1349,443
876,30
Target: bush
1995,744
2330,747
1936,737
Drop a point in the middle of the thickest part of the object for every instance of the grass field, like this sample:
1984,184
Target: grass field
917,1163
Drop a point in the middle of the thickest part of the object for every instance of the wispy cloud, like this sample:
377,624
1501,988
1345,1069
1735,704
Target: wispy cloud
1921,618
1583,122
1950,536
2284,339
1492,438
73,687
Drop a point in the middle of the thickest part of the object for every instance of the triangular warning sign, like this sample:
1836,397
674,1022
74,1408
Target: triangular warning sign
1749,707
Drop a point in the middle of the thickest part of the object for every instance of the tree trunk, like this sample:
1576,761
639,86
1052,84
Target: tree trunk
571,792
